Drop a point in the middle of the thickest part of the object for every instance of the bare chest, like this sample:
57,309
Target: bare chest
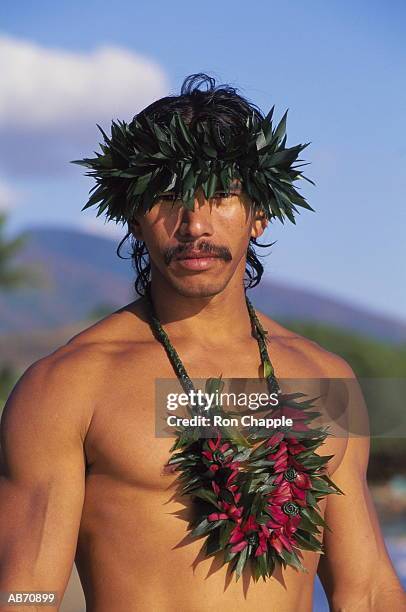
124,440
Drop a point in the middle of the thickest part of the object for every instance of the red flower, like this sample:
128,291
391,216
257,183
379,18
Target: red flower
250,533
280,540
284,523
297,483
215,454
274,439
234,491
229,511
297,416
284,502
280,457
281,495
285,462
294,445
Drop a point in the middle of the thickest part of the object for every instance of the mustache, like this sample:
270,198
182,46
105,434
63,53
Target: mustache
222,252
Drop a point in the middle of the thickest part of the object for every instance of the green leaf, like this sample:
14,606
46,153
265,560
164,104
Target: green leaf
229,556
214,385
205,527
206,495
314,517
235,437
308,539
239,568
262,564
227,496
142,183
281,129
307,525
183,129
267,369
225,532
243,455
292,559
212,543
332,484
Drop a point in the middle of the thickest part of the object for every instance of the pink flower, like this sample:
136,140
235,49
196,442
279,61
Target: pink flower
290,474
283,523
233,488
279,541
280,457
215,454
297,416
250,533
294,445
229,511
275,439
297,483
234,491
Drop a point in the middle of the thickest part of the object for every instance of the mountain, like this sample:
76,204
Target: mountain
83,273
284,302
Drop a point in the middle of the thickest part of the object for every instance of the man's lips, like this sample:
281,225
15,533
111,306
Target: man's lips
197,255
197,261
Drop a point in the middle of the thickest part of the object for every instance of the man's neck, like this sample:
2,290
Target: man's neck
213,320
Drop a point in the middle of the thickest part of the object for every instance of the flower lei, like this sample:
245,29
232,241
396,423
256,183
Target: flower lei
256,496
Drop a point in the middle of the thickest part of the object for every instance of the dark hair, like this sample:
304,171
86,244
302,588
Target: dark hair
224,106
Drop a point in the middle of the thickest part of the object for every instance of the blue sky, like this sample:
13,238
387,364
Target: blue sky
339,67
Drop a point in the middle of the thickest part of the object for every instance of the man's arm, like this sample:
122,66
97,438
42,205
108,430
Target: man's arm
42,477
356,571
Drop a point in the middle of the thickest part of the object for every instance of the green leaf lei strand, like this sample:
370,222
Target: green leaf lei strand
144,158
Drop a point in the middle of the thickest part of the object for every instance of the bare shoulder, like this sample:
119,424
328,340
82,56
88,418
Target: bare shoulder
75,370
78,366
126,325
343,403
314,359
56,392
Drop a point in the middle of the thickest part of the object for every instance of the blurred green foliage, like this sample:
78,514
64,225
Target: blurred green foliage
8,378
370,359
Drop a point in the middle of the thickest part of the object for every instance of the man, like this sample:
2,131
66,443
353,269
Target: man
85,478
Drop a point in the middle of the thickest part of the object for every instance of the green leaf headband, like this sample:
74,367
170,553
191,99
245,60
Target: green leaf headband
143,159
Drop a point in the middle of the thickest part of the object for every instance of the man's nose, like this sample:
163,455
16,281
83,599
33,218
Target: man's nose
197,222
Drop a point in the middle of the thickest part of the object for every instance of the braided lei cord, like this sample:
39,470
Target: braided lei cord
255,496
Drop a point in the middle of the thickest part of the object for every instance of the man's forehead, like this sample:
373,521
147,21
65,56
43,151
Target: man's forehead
235,185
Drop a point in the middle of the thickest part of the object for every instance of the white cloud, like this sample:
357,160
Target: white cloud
47,88
9,196
100,227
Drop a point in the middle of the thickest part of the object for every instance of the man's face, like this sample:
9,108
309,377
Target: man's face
199,251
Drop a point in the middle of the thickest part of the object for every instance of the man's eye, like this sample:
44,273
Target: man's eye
171,196
222,194
167,196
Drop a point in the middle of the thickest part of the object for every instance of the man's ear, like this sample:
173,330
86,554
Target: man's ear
259,223
134,227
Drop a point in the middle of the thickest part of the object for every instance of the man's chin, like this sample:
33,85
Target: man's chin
195,287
